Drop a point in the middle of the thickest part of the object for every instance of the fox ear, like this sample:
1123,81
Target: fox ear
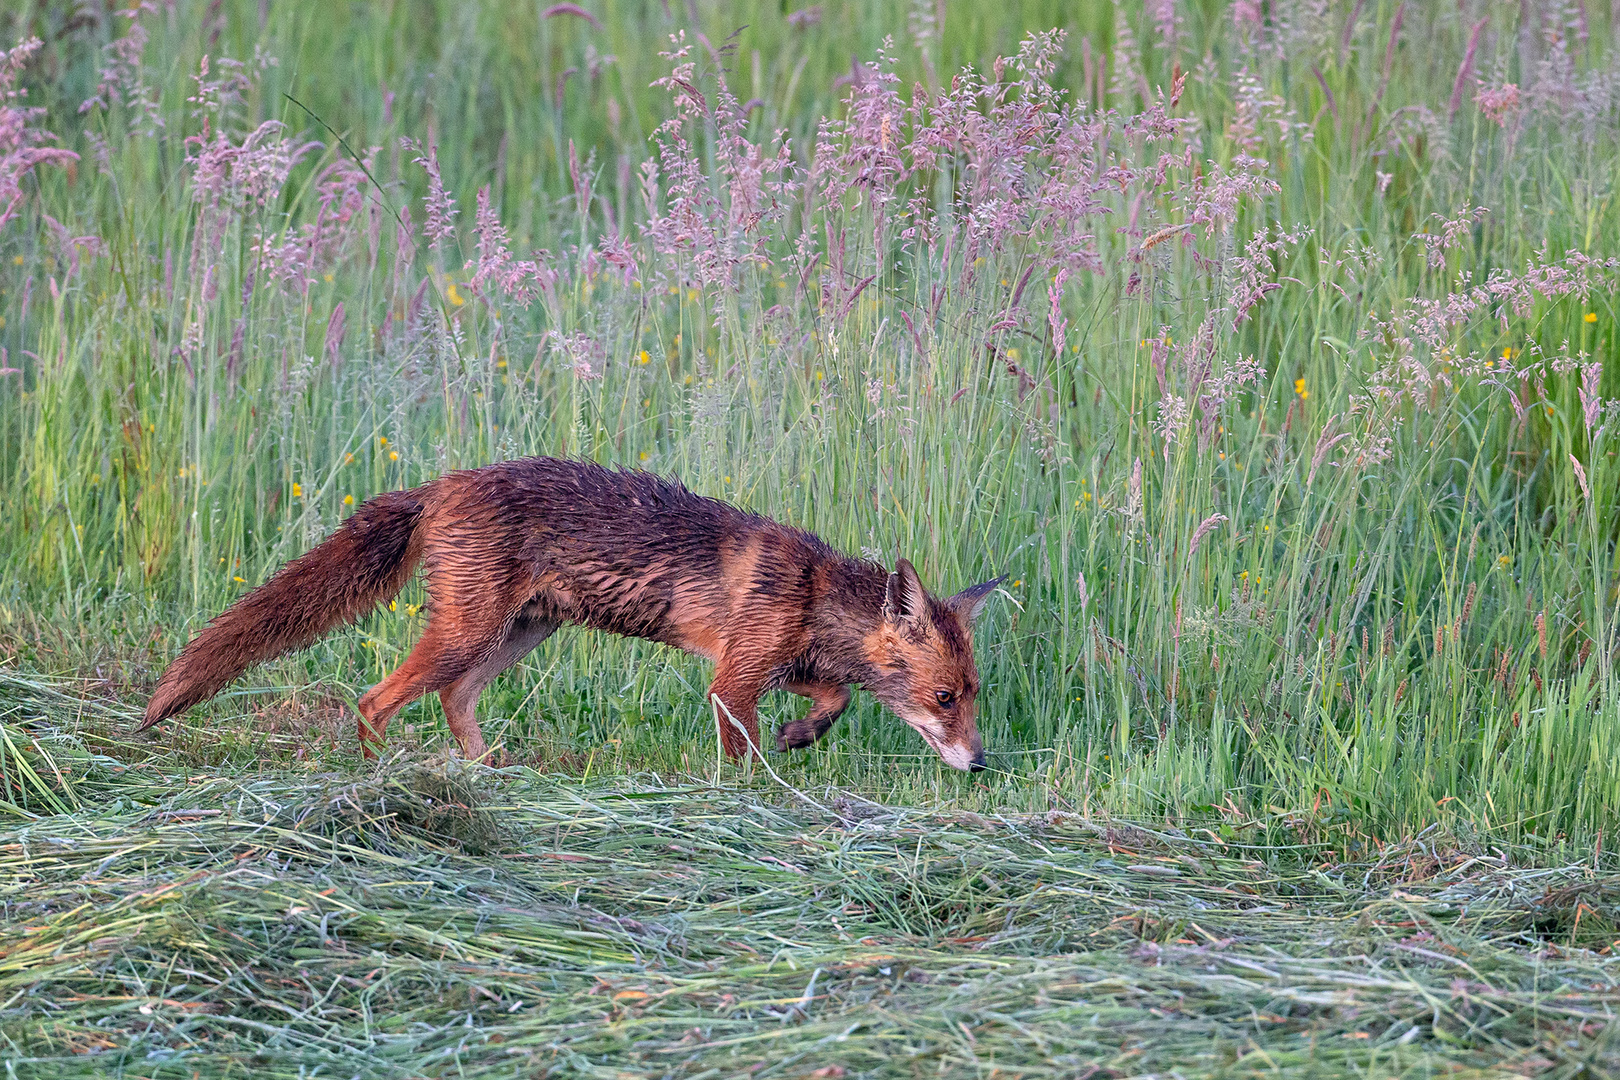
904,598
969,602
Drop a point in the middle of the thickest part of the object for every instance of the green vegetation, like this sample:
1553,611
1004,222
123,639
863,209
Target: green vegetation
1401,595
420,922
1268,348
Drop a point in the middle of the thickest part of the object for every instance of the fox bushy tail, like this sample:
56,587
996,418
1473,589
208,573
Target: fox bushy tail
366,561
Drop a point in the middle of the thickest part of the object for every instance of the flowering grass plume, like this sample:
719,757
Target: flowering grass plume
23,144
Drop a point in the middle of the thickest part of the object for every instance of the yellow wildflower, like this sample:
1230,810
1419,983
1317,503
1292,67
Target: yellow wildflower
348,500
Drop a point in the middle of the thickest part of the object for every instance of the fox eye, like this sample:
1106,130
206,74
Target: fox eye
944,697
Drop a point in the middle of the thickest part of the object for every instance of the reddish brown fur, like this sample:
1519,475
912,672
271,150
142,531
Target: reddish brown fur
516,549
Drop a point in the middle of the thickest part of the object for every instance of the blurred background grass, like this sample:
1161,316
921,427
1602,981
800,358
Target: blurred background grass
1414,624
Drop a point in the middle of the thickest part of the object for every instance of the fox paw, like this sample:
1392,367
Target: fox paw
796,735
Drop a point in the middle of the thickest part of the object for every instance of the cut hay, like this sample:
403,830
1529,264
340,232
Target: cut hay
421,921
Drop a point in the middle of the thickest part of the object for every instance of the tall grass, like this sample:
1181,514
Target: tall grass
1265,349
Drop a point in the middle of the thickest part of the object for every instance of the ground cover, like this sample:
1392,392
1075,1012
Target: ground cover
422,918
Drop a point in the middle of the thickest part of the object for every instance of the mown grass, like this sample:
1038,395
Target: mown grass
1379,636
413,918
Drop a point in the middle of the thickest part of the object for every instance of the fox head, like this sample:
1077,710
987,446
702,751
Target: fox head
922,653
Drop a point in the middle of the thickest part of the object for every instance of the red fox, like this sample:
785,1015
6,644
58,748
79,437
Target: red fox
515,549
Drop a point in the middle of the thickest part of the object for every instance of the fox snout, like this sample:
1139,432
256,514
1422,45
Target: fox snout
965,754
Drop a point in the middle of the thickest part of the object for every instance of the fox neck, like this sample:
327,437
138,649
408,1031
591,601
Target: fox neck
848,609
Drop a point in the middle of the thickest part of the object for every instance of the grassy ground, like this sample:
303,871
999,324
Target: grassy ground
416,919
1268,349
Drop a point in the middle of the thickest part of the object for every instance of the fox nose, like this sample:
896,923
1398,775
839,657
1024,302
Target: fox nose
978,763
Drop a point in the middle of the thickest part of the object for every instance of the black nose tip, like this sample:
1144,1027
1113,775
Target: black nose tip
977,764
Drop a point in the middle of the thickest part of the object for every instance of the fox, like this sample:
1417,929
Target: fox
514,550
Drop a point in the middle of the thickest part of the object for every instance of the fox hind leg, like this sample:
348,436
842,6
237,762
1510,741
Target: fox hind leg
433,663
448,649
460,698
827,703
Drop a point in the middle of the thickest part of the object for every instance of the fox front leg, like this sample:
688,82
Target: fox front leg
738,689
828,702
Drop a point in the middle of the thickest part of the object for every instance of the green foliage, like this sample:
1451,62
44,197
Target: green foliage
1400,607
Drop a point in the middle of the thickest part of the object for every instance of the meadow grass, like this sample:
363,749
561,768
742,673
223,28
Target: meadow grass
1300,467
1266,347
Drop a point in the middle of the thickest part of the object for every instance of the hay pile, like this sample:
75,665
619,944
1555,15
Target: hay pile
421,920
